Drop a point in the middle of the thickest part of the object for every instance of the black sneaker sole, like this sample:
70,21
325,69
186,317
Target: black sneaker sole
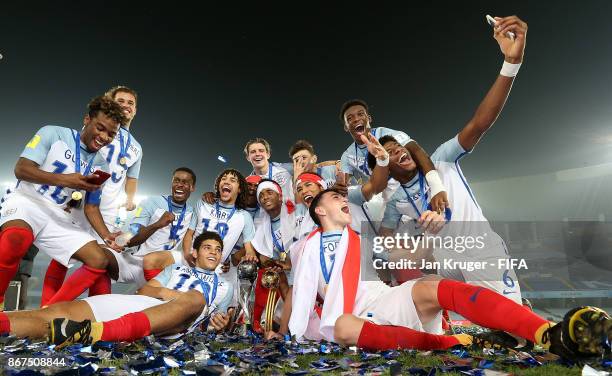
589,329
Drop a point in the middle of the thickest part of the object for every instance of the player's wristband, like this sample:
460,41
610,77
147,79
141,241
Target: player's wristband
509,69
435,184
384,162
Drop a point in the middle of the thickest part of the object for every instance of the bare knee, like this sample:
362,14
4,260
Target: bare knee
156,260
194,302
347,329
93,256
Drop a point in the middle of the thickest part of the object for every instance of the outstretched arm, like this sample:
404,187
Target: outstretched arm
493,103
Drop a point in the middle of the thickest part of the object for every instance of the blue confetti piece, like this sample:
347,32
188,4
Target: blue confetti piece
486,364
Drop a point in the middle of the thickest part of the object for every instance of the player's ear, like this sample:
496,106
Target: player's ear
86,120
194,253
314,159
369,118
319,210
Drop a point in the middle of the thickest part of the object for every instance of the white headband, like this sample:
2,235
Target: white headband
268,185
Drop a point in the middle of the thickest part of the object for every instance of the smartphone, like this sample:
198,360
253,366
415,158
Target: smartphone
491,21
102,176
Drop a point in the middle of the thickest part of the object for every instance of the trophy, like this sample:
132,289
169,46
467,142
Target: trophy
247,273
270,280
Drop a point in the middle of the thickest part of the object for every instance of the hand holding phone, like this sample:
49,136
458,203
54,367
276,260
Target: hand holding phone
98,177
491,21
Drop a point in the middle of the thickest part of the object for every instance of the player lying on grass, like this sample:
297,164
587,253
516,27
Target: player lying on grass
374,316
175,302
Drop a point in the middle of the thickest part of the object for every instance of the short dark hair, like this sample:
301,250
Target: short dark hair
206,235
301,145
106,106
315,202
187,170
241,200
257,140
112,92
351,103
383,140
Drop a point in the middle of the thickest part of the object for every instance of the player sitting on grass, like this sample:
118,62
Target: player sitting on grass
176,302
374,316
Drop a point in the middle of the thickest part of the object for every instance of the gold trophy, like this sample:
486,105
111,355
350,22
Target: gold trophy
270,280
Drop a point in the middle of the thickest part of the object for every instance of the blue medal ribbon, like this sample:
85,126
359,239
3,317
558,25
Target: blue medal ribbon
174,229
123,150
281,246
326,274
364,166
218,212
77,155
206,289
423,196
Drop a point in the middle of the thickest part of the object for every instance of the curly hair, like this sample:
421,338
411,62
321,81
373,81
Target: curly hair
106,106
241,200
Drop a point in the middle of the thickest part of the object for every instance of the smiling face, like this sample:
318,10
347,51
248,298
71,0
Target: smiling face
333,211
99,131
400,160
307,190
182,186
357,122
208,255
228,189
127,101
269,200
258,155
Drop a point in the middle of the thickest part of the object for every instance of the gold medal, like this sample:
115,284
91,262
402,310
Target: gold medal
282,256
123,161
77,196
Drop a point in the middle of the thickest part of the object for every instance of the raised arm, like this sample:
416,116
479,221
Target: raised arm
493,103
380,172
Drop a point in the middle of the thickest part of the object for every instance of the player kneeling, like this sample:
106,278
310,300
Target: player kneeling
176,302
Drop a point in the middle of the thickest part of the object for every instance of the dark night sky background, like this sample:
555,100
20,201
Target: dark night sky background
211,78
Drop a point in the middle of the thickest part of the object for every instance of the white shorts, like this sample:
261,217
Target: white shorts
396,307
111,306
130,267
178,257
55,231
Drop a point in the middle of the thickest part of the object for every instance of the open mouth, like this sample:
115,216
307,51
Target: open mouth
403,158
98,143
345,209
226,189
179,192
211,258
258,159
360,128
308,199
